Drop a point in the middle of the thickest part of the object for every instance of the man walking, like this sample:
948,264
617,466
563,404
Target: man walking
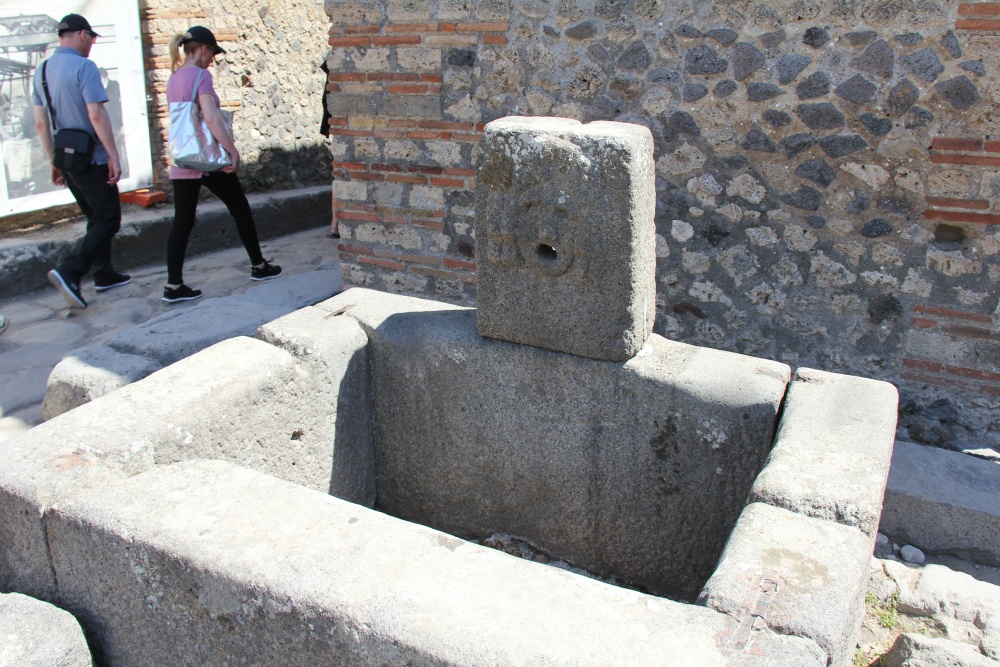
68,93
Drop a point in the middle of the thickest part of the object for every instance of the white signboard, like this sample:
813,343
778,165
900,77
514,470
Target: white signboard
28,35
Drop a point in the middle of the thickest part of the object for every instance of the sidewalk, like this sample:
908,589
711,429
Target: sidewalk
26,258
43,328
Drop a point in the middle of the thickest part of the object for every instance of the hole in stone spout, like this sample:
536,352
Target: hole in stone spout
546,253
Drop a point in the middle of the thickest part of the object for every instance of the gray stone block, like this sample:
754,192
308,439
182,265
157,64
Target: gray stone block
641,475
692,92
938,592
802,576
746,59
336,349
789,66
839,145
902,96
878,58
959,92
975,66
820,116
411,106
913,650
943,502
831,456
242,400
815,85
180,333
757,140
24,554
806,198
243,565
38,634
923,64
704,60
565,238
816,37
857,89
724,36
91,372
758,91
342,104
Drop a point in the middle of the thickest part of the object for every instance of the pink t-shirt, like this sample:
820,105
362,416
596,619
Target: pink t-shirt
180,85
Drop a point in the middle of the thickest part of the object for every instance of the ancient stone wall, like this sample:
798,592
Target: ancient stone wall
270,78
827,173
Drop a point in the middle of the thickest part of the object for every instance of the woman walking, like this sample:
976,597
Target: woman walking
191,54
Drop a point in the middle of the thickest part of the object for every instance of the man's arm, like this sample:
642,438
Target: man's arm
45,137
102,125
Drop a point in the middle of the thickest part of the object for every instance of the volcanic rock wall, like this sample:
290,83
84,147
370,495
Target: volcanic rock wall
270,78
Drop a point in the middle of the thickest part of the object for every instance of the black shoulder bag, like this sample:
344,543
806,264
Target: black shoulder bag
74,148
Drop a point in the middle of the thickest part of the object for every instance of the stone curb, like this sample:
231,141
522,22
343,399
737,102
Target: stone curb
38,634
93,371
943,502
24,261
802,576
834,426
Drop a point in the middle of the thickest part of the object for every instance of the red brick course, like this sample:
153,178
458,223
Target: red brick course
979,9
947,144
979,25
951,202
981,160
953,314
960,216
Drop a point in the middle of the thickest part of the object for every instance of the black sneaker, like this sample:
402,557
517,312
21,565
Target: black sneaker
182,293
116,280
265,272
70,291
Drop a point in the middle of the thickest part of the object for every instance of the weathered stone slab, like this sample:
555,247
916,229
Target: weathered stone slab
23,371
241,400
913,650
37,634
943,502
183,332
336,350
565,239
91,372
637,470
247,566
803,576
938,591
832,452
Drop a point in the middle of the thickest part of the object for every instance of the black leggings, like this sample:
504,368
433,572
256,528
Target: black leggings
228,189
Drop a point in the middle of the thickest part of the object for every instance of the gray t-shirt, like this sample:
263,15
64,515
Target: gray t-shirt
74,82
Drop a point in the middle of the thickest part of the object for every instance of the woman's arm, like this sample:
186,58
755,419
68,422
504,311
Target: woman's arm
210,112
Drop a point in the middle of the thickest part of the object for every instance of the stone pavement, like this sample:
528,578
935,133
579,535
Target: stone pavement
43,328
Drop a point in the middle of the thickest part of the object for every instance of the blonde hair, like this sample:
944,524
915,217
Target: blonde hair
175,50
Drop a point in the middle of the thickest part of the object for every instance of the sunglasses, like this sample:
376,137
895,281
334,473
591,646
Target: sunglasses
93,35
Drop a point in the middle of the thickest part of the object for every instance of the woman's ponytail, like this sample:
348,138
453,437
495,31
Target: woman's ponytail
175,51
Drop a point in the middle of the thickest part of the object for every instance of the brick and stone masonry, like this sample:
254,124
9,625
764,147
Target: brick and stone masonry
270,78
826,172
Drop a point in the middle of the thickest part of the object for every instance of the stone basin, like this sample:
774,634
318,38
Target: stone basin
238,502
315,495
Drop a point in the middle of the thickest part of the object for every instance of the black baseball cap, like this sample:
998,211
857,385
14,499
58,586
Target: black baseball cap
202,35
75,23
